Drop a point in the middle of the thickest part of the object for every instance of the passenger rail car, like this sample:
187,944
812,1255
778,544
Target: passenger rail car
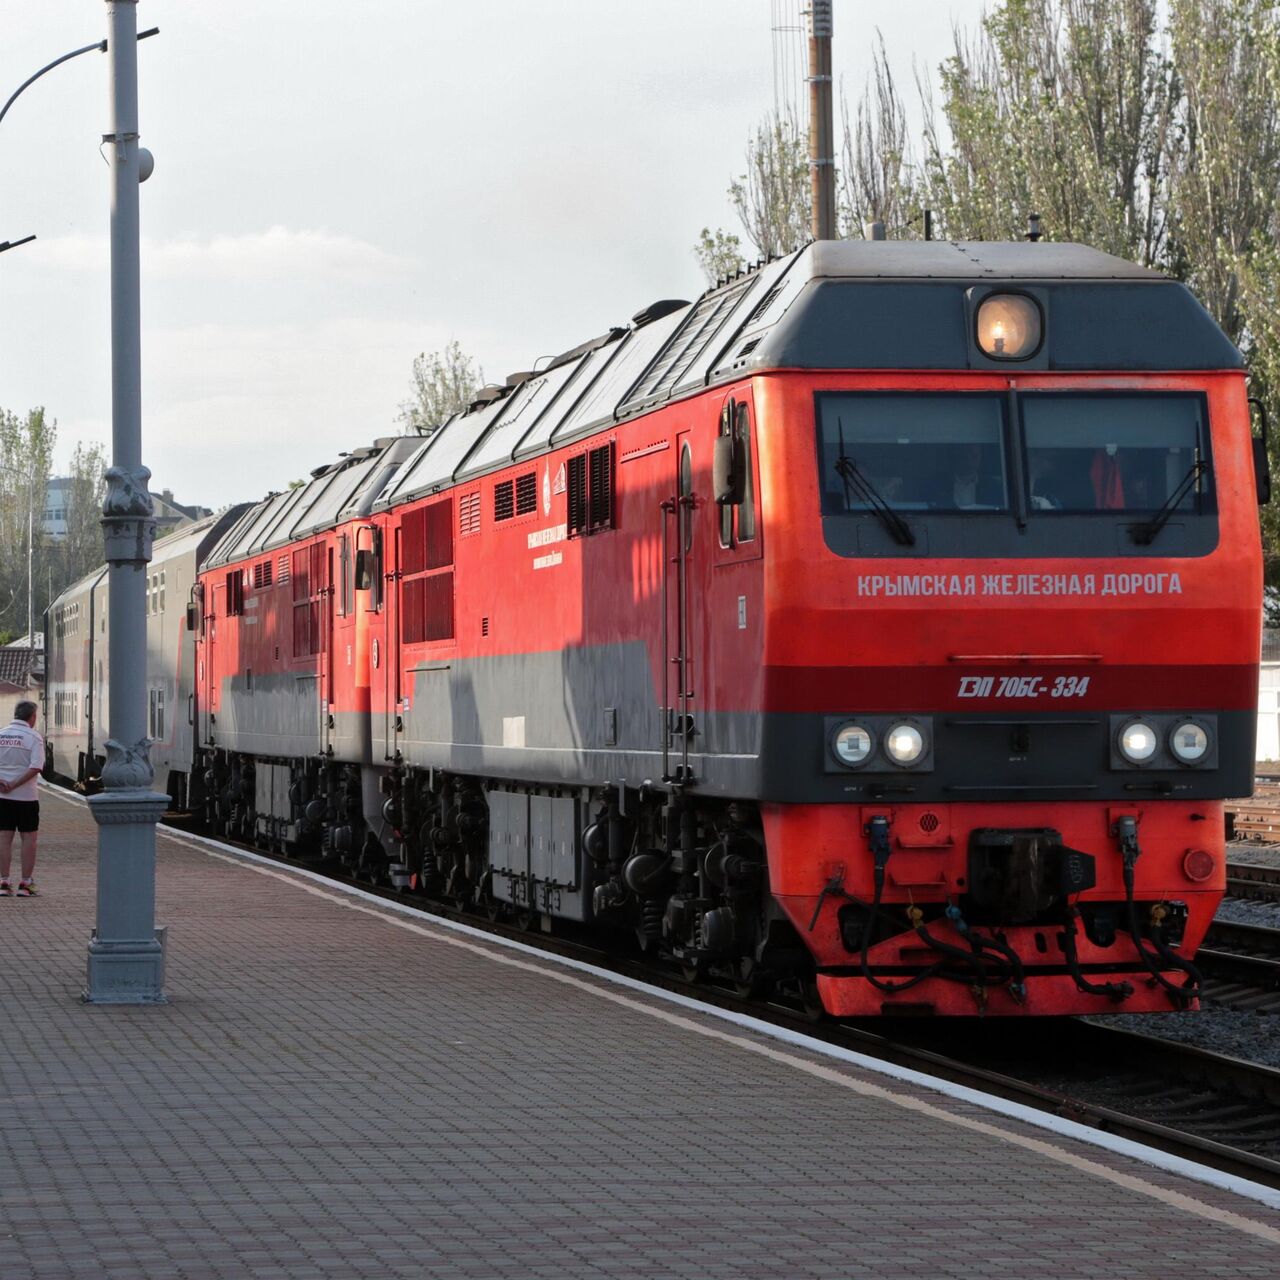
884,625
79,670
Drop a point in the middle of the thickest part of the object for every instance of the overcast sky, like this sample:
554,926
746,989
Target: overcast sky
339,186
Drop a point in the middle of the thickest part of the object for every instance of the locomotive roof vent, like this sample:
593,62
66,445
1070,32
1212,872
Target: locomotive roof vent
585,348
516,379
487,395
656,310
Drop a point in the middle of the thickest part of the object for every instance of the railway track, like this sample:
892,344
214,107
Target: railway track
1250,880
1241,966
1203,1106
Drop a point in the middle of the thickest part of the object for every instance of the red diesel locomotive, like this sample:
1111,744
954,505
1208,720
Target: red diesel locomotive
883,626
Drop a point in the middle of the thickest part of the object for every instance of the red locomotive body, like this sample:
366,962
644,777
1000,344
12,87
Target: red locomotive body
883,627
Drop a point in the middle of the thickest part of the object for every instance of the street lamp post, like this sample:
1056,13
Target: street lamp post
126,951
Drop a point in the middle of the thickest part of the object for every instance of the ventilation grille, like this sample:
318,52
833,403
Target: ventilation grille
282,569
308,572
261,575
427,607
590,485
762,306
929,823
504,500
527,494
468,514
689,342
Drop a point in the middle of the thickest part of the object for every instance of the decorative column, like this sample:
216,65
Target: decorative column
126,951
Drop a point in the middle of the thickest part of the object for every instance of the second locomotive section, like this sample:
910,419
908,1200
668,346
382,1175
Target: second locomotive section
885,621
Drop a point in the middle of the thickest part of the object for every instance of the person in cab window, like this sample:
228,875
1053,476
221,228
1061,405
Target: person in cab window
976,483
1045,493
1107,479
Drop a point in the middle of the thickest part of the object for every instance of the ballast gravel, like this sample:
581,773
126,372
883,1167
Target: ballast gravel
1254,1037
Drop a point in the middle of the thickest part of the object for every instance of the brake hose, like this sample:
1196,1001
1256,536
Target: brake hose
1127,833
1116,991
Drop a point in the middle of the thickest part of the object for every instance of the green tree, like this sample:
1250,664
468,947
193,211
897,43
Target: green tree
773,197
444,383
875,179
26,458
1146,128
719,254
82,548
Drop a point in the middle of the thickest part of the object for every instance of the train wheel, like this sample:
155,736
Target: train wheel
749,981
810,1000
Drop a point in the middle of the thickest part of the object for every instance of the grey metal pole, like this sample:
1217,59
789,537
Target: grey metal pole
126,951
31,588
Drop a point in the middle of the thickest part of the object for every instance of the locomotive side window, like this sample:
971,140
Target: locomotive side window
346,595
686,491
745,513
912,452
1114,452
738,520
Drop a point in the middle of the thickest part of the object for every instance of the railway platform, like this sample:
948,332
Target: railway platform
339,1090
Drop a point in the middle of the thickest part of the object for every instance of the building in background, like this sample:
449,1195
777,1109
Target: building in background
57,507
21,668
56,504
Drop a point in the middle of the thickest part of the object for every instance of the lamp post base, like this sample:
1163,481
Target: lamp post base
126,972
126,950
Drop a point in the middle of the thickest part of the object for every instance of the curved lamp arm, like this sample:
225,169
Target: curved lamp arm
99,45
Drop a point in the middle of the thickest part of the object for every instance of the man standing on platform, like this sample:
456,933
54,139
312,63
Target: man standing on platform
21,760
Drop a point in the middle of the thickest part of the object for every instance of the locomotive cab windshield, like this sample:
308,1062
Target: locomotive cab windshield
1035,472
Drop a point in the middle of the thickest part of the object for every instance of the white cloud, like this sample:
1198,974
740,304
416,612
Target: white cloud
277,252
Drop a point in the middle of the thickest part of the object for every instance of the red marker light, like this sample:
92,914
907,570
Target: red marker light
1198,864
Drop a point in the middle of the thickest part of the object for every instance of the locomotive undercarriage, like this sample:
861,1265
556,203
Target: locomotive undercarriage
681,878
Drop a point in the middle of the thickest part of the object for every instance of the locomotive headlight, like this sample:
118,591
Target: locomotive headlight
1189,742
852,745
1138,742
904,744
1009,326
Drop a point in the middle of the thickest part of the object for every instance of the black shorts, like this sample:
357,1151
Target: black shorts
19,815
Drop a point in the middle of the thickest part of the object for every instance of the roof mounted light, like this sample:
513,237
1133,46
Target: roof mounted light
1010,326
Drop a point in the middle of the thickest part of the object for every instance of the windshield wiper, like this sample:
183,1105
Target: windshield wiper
1146,533
858,482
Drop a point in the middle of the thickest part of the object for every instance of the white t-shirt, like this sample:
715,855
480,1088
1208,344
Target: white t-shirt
21,748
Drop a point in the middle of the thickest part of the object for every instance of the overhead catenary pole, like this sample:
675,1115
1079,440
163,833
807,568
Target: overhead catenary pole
822,160
126,952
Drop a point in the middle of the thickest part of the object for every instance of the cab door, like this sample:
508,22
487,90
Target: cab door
213,609
683,559
734,597
325,672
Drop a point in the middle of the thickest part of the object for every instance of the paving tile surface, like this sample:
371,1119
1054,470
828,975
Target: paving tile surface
331,1095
